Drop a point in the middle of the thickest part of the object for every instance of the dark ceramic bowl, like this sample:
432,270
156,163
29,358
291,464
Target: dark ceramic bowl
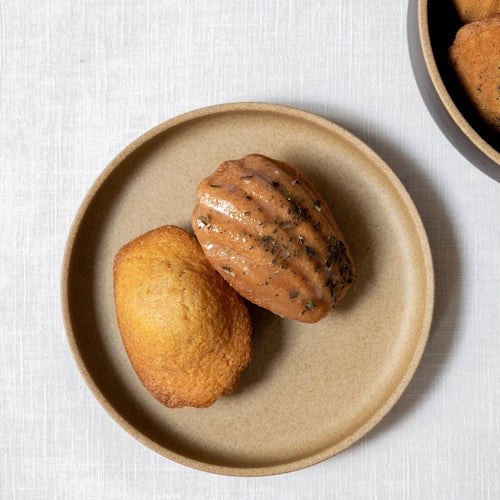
438,24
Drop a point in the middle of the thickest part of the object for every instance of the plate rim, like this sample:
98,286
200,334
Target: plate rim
442,91
382,168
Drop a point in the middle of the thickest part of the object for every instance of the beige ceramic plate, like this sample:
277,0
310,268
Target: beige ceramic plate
438,24
311,390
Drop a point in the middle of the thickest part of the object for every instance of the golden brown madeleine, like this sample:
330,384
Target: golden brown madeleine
474,10
475,55
267,230
185,330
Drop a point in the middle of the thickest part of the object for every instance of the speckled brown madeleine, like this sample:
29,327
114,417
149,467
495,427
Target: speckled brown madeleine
185,330
475,56
270,234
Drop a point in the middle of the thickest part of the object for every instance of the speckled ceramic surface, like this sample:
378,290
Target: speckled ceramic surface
311,390
438,24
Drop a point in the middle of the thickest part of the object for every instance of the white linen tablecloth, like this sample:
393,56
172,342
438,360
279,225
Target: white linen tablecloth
79,80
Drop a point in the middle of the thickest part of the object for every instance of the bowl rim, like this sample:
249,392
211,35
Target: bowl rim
272,469
442,91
